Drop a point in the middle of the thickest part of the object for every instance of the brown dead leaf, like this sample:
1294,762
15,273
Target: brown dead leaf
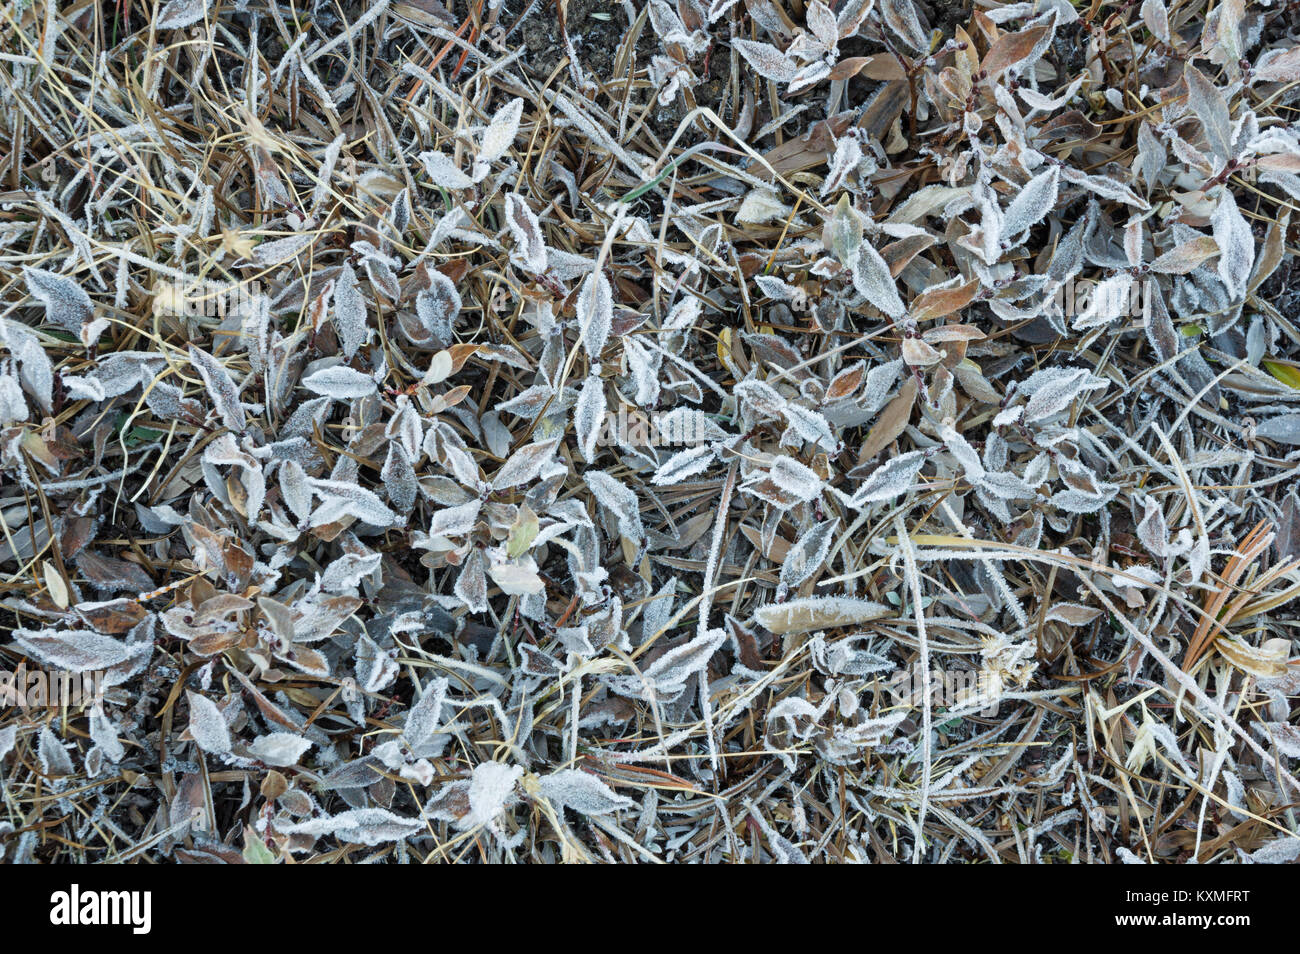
893,419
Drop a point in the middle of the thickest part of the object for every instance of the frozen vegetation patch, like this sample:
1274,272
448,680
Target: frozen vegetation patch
736,432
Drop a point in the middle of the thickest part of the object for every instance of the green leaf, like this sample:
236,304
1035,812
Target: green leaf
845,228
255,850
1288,374
522,533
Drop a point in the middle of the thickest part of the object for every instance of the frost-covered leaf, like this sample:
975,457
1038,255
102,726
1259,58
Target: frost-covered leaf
1108,301
809,425
683,314
80,650
8,736
1104,187
178,14
1079,501
294,489
808,553
221,388
438,306
207,725
341,498
362,826
66,302
595,310
13,406
1208,105
844,657
818,612
1186,257
1278,66
52,755
425,716
1031,204
522,532
525,464
760,207
399,477
795,478
530,245
278,251
619,499
517,577
491,791
1281,850
348,571
104,734
1284,428
767,60
443,171
498,136
762,397
589,415
1010,49
685,425
874,283
471,584
918,353
1053,389
279,748
846,382
1156,16
901,18
673,668
375,668
1157,322
1236,245
583,792
349,312
1283,735
683,465
339,382
844,232
891,479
